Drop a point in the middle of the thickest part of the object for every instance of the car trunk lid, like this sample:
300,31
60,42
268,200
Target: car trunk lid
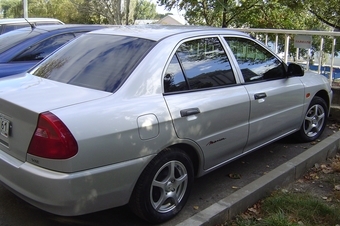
23,98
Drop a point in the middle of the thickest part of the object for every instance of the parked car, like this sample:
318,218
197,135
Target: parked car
23,48
131,115
7,25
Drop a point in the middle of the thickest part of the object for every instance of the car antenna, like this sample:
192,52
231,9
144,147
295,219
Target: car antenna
32,25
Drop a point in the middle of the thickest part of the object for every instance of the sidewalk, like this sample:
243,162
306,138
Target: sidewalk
288,172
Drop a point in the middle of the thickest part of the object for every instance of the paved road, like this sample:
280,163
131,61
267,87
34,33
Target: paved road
207,190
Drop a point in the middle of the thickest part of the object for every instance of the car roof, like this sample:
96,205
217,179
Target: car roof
47,28
23,20
158,32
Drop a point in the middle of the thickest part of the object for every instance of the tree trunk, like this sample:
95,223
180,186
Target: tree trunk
224,14
127,12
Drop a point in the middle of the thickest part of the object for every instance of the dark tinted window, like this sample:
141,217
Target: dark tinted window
13,38
100,62
40,50
205,64
174,78
255,62
11,27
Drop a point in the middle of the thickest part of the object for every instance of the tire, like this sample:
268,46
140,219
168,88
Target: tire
314,120
163,187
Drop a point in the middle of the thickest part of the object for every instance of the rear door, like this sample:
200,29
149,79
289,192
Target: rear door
276,100
206,104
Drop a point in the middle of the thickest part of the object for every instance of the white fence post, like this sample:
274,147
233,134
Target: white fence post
332,61
276,44
286,48
320,56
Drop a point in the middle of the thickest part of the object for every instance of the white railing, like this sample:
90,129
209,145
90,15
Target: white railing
288,33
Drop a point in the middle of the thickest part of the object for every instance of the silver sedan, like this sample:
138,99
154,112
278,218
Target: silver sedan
131,115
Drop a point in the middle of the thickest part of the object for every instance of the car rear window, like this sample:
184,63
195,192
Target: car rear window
15,37
11,27
101,62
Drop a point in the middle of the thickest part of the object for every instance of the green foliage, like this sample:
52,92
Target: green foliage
145,10
278,14
297,206
291,209
64,10
11,8
326,11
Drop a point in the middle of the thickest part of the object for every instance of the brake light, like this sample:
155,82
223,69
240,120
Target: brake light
52,139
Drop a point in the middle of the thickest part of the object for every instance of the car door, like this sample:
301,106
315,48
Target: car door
205,102
276,100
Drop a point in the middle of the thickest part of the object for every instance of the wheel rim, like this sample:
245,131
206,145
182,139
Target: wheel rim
314,120
168,186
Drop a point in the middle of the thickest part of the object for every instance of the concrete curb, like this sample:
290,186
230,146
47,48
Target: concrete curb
245,197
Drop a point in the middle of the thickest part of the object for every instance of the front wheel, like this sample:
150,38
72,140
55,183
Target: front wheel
315,120
164,186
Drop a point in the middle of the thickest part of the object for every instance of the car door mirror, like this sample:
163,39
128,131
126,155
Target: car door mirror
295,70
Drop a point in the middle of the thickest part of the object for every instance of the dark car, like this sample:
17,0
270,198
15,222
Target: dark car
7,25
23,48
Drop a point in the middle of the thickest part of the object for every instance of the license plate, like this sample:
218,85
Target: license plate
4,123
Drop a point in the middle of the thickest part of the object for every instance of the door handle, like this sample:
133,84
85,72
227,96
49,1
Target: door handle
260,96
190,111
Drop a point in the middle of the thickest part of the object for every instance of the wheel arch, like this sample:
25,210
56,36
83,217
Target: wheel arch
192,153
324,95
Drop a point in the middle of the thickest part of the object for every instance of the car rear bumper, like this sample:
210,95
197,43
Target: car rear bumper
71,194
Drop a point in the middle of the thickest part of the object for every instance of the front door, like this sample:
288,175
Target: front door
276,100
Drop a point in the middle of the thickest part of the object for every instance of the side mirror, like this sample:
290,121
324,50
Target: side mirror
295,70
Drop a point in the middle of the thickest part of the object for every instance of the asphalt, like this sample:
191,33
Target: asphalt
284,174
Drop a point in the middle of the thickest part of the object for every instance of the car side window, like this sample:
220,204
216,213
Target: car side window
11,27
199,64
255,62
174,79
40,50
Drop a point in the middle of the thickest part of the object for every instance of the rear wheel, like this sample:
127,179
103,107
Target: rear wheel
164,186
315,120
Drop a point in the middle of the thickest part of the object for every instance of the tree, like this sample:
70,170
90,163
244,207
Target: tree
107,11
203,12
12,8
251,13
326,11
145,10
284,14
64,10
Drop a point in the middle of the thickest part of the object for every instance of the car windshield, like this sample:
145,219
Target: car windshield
101,62
10,39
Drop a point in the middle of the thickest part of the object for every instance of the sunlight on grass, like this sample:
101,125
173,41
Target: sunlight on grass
301,208
290,209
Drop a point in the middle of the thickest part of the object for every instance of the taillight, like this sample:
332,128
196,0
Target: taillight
52,139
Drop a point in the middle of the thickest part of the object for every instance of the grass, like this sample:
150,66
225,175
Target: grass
290,209
312,207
